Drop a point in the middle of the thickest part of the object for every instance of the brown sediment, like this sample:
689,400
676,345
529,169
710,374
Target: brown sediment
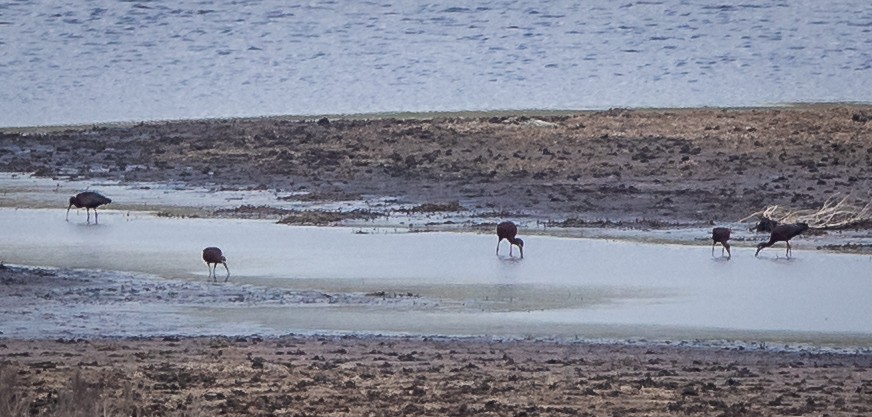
657,167
359,376
670,166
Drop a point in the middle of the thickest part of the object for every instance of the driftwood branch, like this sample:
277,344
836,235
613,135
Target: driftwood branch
832,214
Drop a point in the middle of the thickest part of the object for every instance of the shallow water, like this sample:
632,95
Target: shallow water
27,191
64,62
452,283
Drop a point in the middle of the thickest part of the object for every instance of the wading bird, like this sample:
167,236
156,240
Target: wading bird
764,225
89,200
721,235
783,233
213,256
508,231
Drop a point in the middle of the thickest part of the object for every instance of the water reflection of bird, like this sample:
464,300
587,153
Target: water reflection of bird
213,256
721,235
89,200
783,233
508,231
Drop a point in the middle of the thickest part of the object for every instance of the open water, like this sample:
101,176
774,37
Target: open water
67,61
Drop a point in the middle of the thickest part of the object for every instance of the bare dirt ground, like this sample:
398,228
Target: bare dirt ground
691,166
684,167
396,376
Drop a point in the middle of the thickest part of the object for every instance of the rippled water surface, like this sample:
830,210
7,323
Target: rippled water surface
107,60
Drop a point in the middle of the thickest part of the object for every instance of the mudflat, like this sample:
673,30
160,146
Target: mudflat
684,166
677,167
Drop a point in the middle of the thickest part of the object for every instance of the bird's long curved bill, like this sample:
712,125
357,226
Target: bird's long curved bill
68,211
228,271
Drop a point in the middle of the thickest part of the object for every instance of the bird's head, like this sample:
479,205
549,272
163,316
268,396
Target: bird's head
520,243
72,201
764,225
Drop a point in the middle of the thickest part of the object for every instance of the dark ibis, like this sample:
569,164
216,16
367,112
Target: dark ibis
783,233
765,225
89,200
721,235
508,231
213,256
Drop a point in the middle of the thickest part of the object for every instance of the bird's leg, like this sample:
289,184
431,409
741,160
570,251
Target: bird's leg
788,248
713,249
498,247
510,249
209,268
87,210
95,215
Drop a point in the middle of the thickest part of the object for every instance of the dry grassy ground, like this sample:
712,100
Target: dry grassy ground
381,376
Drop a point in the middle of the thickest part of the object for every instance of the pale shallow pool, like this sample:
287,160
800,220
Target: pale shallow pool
453,283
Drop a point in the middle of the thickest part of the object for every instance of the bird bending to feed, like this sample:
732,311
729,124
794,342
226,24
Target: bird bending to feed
721,235
508,231
783,232
89,200
213,256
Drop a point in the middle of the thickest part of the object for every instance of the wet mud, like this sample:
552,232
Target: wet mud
638,169
76,303
658,167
